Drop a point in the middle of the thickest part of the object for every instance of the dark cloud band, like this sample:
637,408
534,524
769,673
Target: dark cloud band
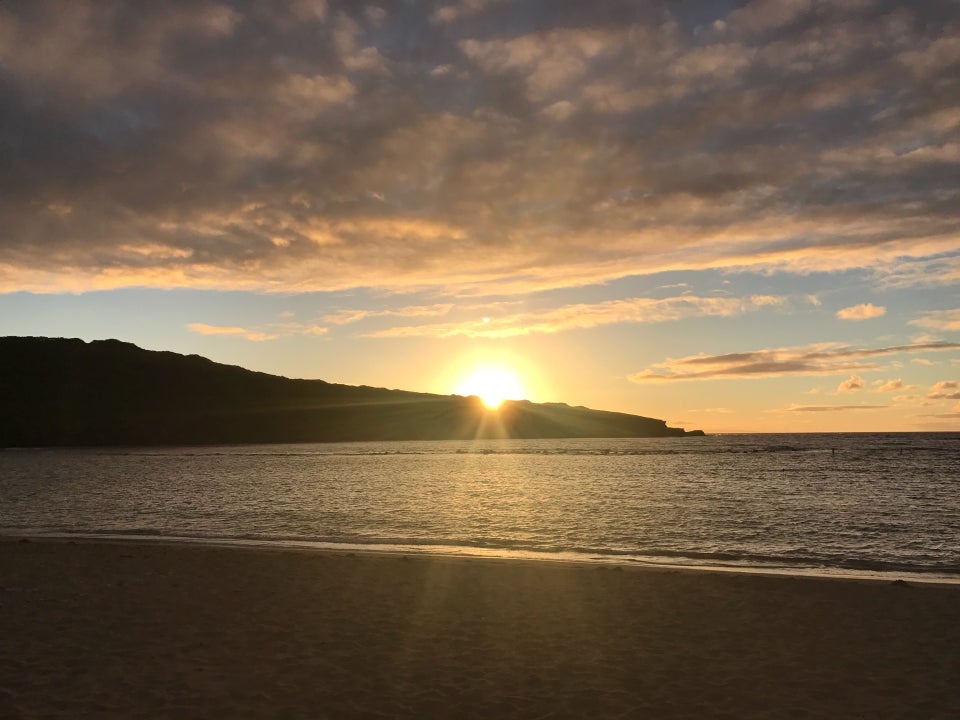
321,145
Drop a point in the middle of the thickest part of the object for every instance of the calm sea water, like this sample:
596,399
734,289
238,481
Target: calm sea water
878,502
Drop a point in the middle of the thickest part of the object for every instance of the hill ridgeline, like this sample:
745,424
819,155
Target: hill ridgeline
67,392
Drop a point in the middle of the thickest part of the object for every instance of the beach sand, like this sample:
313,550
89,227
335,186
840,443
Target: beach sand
140,630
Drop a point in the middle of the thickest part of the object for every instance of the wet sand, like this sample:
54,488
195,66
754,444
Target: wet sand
140,630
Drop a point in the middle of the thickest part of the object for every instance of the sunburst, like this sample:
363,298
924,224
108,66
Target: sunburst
492,385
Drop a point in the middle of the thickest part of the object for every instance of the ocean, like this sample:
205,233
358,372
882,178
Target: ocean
820,503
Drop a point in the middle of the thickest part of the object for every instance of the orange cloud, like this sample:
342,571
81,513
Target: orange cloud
861,312
822,359
580,316
944,320
851,384
345,317
205,329
891,386
832,408
534,165
945,389
269,332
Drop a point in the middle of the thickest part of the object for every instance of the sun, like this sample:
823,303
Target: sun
493,385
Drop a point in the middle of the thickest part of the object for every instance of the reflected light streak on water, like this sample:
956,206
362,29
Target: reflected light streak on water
876,502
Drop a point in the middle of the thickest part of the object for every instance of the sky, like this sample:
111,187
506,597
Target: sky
734,216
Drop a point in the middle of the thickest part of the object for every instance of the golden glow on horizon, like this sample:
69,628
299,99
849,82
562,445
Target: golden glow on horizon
493,385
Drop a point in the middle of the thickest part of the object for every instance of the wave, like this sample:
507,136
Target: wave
492,548
598,452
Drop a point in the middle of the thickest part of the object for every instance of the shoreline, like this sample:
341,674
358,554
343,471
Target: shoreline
498,554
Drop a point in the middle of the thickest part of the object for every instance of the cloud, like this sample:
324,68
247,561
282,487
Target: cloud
851,384
204,329
309,10
943,320
765,15
891,385
821,359
345,317
941,269
301,329
309,146
832,408
861,312
454,11
580,316
268,332
945,389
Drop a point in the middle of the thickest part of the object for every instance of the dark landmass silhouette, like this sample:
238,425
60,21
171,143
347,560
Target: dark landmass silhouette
67,392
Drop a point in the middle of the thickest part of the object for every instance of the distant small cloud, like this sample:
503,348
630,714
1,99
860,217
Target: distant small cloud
458,10
861,312
944,320
832,408
891,385
309,9
945,389
851,384
268,332
767,300
923,361
712,411
816,359
421,310
311,330
560,110
375,14
345,317
204,329
921,272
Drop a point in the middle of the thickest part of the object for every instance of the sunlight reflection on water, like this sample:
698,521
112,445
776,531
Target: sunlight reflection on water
841,501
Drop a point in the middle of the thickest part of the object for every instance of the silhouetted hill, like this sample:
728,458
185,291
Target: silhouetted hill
56,392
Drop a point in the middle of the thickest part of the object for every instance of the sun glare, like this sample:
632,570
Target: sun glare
493,385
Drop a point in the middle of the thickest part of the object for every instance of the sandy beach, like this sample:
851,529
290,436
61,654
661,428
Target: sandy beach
141,630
